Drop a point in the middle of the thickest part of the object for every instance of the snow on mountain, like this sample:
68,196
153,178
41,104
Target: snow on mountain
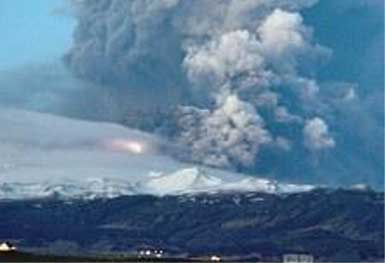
181,181
88,190
199,180
44,155
185,181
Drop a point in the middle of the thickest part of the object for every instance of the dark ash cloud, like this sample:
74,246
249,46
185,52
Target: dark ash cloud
234,83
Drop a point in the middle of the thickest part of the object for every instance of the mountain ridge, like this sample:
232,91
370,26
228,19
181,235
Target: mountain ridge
183,181
332,225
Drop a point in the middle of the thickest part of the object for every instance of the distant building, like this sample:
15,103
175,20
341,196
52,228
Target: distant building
150,253
298,258
215,258
7,247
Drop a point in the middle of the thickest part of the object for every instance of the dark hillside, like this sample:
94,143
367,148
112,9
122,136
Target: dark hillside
338,225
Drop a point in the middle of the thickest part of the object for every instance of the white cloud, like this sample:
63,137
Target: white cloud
282,33
285,39
244,67
283,143
233,53
316,135
282,115
350,94
230,135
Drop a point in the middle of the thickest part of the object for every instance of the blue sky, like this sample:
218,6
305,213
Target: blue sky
32,32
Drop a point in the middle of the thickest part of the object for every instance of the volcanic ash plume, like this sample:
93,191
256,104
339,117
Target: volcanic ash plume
228,78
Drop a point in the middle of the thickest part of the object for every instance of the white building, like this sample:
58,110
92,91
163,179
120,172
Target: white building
298,258
215,258
6,247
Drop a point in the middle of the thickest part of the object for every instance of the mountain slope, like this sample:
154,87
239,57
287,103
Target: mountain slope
183,181
340,225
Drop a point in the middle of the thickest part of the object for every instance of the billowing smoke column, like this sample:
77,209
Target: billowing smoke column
232,81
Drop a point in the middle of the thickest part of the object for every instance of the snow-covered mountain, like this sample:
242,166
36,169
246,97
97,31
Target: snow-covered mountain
197,180
185,181
45,155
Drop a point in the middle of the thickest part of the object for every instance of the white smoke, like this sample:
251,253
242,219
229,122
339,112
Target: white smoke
316,134
232,54
229,135
226,73
258,63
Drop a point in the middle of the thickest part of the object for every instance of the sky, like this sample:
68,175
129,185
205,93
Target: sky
32,32
270,88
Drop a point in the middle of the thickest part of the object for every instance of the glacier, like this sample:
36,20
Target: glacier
44,155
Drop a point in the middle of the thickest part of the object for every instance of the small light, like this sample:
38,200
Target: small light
125,145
